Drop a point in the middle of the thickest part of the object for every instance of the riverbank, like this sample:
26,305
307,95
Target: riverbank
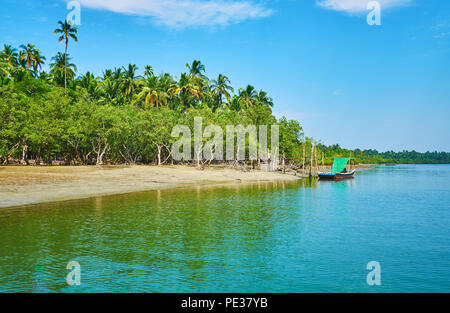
20,185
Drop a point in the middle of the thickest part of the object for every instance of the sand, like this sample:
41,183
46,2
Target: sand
21,185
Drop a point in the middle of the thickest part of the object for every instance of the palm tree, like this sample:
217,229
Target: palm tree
221,88
61,68
5,69
148,72
196,69
185,89
44,76
248,95
31,57
107,74
9,55
88,82
153,93
117,74
38,60
129,77
236,103
165,84
263,99
27,54
66,31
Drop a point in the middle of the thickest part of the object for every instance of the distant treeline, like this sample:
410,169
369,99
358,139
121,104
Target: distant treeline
374,157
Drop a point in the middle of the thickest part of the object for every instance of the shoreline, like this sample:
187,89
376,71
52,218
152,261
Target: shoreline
22,185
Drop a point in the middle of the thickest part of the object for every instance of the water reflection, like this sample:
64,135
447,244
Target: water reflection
197,229
305,236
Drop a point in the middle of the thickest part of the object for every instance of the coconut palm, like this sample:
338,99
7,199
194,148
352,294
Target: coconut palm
5,69
196,69
148,72
263,99
61,69
66,32
117,74
38,60
235,103
153,94
220,88
44,76
248,96
186,90
107,74
129,80
89,82
27,55
30,57
110,90
9,55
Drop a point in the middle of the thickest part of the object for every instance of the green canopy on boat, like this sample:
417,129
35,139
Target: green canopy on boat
339,165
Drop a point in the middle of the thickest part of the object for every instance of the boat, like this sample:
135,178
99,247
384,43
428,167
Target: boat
338,171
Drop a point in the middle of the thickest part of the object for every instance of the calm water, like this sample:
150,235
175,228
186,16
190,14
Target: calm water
262,238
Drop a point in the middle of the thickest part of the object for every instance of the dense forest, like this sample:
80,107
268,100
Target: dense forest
124,117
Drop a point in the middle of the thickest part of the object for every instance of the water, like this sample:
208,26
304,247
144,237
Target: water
260,238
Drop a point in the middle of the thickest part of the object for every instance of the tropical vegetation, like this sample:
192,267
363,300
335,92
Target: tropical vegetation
122,116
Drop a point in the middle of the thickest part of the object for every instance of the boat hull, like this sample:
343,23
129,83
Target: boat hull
337,176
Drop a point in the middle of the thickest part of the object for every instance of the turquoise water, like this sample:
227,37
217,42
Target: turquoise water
279,237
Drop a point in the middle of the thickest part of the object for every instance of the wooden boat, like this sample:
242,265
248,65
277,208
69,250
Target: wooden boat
338,171
337,176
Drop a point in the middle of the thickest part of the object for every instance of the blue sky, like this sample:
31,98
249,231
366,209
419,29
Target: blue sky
384,87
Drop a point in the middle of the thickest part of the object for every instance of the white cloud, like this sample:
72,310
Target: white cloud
358,6
185,13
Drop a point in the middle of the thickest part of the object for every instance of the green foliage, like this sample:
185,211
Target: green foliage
374,157
123,117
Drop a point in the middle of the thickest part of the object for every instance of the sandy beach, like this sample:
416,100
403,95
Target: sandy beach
21,185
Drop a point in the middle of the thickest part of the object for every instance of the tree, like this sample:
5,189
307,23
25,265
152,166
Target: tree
9,55
89,82
263,99
5,69
162,122
222,88
66,32
103,125
129,77
186,90
196,69
148,72
32,57
291,136
151,94
62,69
247,96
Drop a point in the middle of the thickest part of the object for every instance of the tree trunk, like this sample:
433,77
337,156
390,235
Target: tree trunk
49,159
284,164
159,155
38,157
65,67
24,155
100,154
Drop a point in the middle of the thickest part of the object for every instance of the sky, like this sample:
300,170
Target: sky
385,87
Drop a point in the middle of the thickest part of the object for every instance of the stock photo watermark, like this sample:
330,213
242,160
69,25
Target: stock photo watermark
374,276
374,16
239,139
74,16
74,276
